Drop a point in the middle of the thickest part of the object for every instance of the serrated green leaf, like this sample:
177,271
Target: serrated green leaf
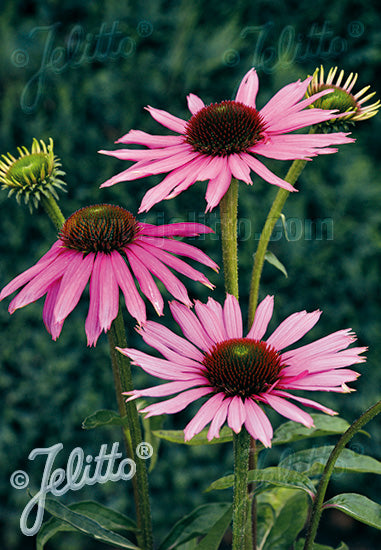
216,532
106,517
358,507
177,436
87,526
312,461
324,425
195,524
281,477
273,260
103,417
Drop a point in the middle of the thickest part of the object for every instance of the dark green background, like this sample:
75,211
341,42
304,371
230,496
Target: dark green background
167,50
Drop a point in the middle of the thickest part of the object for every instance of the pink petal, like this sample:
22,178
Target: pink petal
108,292
47,314
248,89
182,229
237,414
217,187
239,169
307,402
257,423
204,415
175,263
232,317
157,268
146,282
166,119
172,340
146,154
195,104
219,417
169,353
176,404
265,173
72,285
33,271
142,138
191,326
163,389
212,323
293,328
332,343
283,100
262,318
181,248
92,326
161,367
289,410
324,381
134,302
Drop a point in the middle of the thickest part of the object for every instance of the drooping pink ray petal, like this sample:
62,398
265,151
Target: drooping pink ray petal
232,317
304,401
326,362
72,285
160,367
92,326
176,404
323,381
262,318
257,423
186,229
287,409
171,354
332,343
285,98
265,173
146,282
32,272
180,248
239,169
169,388
248,89
47,314
172,340
142,138
108,293
217,188
134,302
237,414
212,323
191,326
296,121
157,268
204,415
147,154
166,119
195,104
293,328
219,417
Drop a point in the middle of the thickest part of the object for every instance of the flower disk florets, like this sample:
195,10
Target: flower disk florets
242,367
99,228
225,128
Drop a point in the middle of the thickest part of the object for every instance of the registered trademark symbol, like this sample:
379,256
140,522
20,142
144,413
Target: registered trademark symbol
356,29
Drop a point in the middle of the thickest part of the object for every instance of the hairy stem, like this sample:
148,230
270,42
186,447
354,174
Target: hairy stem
228,215
241,498
53,211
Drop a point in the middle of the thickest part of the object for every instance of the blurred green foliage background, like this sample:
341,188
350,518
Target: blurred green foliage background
82,74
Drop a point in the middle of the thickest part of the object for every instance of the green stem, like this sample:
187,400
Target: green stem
228,216
53,211
273,216
253,462
328,470
123,382
241,498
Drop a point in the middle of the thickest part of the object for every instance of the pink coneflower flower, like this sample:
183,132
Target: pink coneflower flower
94,244
223,140
239,374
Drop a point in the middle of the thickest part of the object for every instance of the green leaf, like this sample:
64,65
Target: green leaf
300,545
216,532
106,517
273,260
324,425
103,417
177,436
285,512
195,524
86,525
275,476
312,461
358,507
150,425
